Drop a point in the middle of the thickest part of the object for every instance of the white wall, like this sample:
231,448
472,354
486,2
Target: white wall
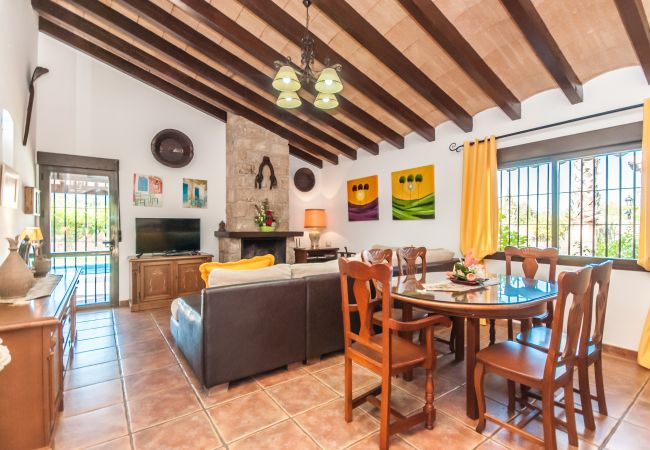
87,108
18,53
623,87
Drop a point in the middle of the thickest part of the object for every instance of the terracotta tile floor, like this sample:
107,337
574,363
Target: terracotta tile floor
131,388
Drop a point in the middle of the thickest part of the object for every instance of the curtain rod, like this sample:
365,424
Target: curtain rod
454,147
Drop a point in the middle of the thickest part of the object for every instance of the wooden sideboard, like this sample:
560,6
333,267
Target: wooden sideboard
157,280
40,335
314,255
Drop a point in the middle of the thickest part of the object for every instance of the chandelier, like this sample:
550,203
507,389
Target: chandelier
288,80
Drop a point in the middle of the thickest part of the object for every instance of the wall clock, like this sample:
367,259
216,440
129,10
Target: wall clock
172,148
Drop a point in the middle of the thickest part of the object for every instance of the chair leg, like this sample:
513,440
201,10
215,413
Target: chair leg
511,334
511,397
571,414
428,400
479,372
384,413
548,416
600,386
585,394
348,390
493,331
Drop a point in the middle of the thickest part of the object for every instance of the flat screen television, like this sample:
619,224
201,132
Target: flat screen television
155,235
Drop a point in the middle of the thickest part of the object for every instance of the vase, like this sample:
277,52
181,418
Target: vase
15,277
267,228
41,266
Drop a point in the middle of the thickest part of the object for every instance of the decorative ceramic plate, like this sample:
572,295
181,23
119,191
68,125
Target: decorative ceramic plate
172,148
466,282
304,179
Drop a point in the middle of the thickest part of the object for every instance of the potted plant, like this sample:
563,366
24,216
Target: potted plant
264,217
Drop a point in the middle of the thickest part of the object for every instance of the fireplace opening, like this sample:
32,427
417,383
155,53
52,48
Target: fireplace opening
262,246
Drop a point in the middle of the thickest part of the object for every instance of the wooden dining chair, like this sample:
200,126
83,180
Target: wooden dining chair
591,343
384,353
545,372
530,264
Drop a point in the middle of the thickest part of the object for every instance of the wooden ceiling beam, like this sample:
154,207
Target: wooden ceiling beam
48,26
307,157
635,21
222,24
193,64
293,30
436,24
530,23
130,69
341,12
198,41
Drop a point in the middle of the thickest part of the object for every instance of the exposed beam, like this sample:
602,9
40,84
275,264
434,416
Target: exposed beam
48,26
219,22
635,21
305,156
195,65
536,32
293,30
198,41
353,23
130,69
434,22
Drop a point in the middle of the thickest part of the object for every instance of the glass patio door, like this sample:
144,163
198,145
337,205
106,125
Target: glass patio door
80,216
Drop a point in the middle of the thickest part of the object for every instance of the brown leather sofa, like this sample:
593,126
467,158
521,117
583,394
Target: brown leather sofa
229,333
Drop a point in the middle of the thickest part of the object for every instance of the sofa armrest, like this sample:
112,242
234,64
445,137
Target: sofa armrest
189,332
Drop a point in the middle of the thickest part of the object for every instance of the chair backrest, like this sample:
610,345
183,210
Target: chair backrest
407,261
377,256
531,257
600,277
576,285
363,274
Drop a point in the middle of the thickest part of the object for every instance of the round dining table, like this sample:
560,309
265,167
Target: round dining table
503,297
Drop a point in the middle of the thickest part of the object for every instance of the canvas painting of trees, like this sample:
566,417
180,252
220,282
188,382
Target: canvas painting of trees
363,199
413,193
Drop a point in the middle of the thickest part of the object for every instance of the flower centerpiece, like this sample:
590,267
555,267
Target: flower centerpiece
466,271
264,217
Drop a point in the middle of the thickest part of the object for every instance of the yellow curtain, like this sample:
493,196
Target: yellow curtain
644,236
479,209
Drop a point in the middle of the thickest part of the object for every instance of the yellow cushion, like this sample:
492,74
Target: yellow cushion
256,262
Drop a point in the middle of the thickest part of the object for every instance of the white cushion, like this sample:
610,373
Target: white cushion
434,255
309,269
226,277
174,308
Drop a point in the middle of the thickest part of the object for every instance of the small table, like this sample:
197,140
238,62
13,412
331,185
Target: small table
315,255
511,298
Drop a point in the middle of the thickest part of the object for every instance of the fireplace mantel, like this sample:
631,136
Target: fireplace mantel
258,234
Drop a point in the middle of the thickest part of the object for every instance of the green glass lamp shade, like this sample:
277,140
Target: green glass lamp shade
288,100
286,80
329,82
326,101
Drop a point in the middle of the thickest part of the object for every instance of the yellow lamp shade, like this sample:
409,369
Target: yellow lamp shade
329,82
288,100
315,218
286,80
326,101
33,233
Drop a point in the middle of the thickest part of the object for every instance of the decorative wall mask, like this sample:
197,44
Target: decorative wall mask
259,178
172,148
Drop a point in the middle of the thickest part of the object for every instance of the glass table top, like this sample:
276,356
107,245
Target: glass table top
508,290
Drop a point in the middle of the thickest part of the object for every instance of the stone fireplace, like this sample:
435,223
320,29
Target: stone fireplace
246,145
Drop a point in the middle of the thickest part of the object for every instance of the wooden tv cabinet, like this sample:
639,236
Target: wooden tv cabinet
157,280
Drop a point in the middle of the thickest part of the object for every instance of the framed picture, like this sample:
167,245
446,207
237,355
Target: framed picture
413,194
147,190
32,201
363,199
195,193
9,187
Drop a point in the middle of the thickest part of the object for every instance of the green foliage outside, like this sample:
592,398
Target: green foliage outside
89,224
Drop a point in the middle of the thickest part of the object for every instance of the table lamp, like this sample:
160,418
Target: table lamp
30,237
315,220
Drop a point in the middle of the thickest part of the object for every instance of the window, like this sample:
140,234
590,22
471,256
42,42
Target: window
584,204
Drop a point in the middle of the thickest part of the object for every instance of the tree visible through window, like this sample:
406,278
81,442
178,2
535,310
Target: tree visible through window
585,206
